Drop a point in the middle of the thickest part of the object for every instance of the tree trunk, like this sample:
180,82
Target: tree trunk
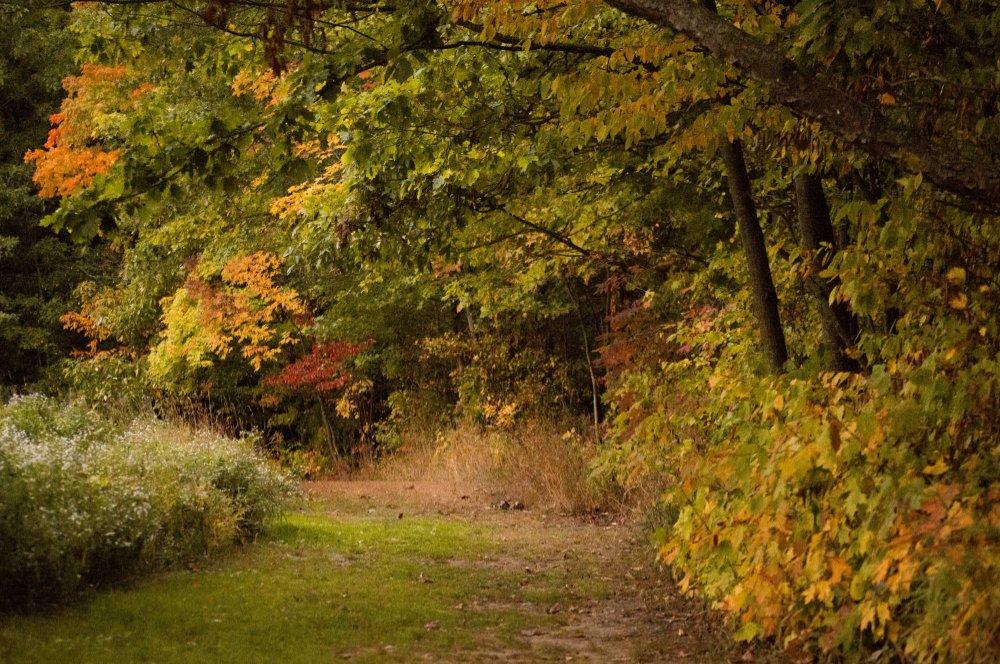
840,327
331,437
765,298
594,390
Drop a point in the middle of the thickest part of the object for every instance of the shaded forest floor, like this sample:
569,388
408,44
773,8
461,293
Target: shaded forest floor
393,571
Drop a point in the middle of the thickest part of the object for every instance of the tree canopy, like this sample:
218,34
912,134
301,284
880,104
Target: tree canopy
754,244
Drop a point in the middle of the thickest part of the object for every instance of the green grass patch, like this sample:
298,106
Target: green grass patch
318,588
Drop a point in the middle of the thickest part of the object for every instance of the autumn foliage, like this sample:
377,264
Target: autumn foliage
69,161
324,370
245,311
753,249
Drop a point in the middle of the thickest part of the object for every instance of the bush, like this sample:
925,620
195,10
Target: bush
83,500
834,515
845,515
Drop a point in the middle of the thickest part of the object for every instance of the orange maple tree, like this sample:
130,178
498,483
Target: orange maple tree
70,159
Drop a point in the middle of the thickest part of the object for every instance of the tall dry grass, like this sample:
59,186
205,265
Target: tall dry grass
541,464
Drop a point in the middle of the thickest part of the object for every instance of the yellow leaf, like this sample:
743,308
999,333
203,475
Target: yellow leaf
956,275
887,99
838,568
958,301
938,468
867,616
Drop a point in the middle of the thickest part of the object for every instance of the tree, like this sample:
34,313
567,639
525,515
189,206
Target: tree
765,298
39,271
840,326
478,187
844,116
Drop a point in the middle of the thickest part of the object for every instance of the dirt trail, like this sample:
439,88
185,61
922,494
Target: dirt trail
639,617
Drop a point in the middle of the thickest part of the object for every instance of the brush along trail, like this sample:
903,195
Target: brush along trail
378,571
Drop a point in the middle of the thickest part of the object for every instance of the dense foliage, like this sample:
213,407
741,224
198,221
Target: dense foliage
38,269
754,243
86,501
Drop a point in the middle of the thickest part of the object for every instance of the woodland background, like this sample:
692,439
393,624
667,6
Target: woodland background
738,260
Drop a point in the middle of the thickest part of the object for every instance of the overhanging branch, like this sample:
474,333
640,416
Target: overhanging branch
804,95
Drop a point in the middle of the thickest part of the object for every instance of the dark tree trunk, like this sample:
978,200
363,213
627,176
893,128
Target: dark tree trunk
765,298
840,327
331,436
595,393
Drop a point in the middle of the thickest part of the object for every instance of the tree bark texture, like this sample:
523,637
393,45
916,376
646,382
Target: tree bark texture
765,298
840,327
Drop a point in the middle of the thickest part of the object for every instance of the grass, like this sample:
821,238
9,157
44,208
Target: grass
320,587
542,463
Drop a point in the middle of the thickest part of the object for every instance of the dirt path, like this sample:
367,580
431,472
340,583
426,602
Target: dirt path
375,571
637,615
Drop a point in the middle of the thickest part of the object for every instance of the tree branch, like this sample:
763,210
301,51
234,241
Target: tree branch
804,95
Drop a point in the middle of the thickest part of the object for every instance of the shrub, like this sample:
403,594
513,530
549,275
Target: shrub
846,515
83,500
